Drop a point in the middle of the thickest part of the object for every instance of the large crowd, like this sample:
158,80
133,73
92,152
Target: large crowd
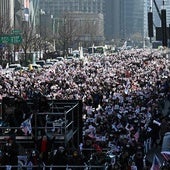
123,96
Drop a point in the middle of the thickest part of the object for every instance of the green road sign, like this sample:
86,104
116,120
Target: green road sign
15,39
10,39
16,32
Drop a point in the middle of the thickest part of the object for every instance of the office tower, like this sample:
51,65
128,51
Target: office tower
34,13
85,12
167,7
56,7
124,19
17,12
112,19
133,22
6,14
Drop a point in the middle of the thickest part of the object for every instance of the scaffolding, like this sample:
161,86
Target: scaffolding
62,121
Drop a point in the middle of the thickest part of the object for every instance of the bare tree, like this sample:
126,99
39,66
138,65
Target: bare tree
79,28
5,29
28,39
68,32
5,26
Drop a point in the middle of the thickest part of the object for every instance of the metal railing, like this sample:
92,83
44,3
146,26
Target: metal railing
54,167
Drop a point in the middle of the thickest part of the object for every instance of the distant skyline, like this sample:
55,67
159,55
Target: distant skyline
122,18
56,7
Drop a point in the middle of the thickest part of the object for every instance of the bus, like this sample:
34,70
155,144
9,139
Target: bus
96,49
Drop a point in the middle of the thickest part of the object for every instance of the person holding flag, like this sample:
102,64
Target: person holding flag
26,126
156,164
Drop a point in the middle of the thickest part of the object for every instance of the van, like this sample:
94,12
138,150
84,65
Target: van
40,62
13,67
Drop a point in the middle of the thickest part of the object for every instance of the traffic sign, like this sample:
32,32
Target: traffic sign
15,39
16,32
10,39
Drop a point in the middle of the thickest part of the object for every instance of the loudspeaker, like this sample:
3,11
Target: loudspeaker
163,24
150,24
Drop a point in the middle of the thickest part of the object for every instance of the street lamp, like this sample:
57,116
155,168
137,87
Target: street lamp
53,30
41,12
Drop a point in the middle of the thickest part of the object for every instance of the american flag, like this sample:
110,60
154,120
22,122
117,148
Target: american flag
156,165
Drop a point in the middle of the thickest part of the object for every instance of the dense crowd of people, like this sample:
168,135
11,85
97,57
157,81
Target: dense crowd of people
123,96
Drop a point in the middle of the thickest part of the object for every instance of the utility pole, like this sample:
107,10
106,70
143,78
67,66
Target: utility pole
13,58
64,43
53,30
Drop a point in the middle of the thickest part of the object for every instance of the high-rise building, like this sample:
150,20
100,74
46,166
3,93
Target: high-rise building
56,8
111,19
124,19
6,14
30,13
133,17
147,8
16,12
34,13
84,11
167,7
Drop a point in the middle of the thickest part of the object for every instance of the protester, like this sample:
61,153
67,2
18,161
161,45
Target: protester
122,94
10,152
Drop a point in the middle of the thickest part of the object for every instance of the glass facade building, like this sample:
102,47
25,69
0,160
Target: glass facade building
84,11
122,19
167,7
133,18
34,13
125,18
57,7
6,14
17,11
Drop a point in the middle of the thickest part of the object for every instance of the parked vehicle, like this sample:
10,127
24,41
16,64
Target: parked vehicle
40,62
34,67
13,67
